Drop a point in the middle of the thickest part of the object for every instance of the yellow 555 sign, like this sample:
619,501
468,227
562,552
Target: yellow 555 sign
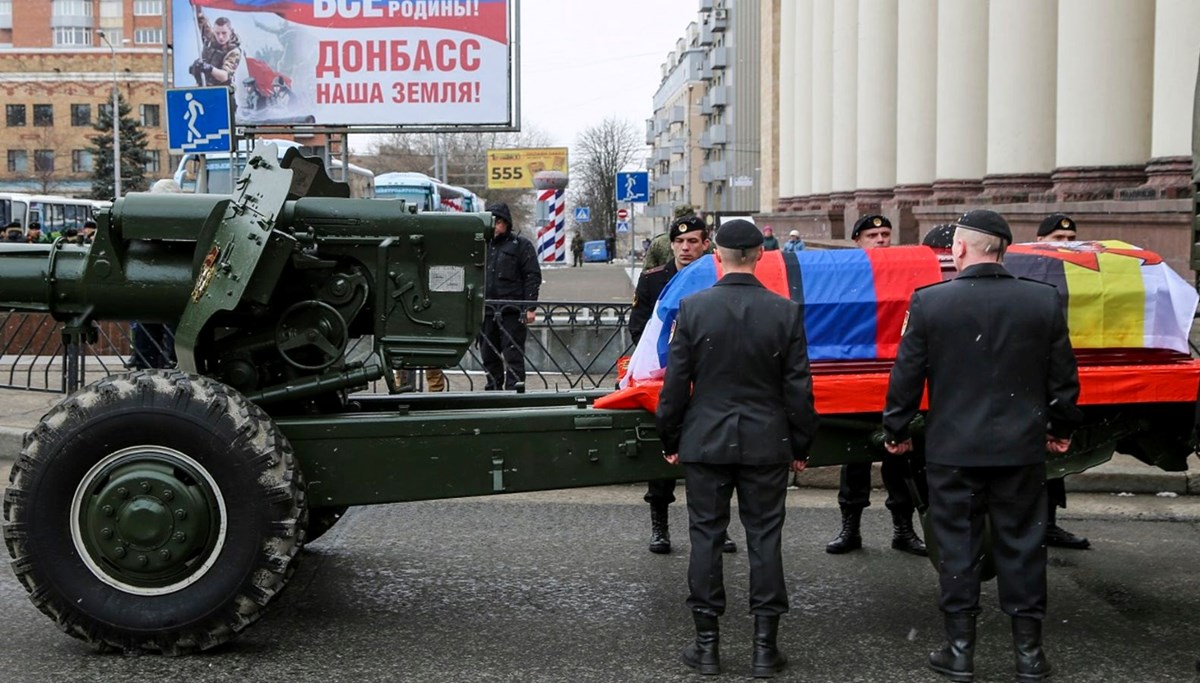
513,169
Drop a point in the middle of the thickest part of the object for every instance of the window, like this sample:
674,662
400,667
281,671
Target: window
153,163
81,161
104,111
72,36
81,114
148,36
71,8
112,9
147,8
43,160
15,114
6,7
43,115
150,115
17,161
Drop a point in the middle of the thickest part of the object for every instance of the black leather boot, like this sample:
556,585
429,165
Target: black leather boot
660,531
1032,664
728,546
849,538
704,654
767,660
956,659
904,537
1059,537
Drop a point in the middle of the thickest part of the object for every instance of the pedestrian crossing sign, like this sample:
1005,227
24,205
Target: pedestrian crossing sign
199,120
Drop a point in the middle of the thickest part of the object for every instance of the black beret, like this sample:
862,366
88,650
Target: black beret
987,222
500,210
1055,221
940,237
869,222
739,234
688,225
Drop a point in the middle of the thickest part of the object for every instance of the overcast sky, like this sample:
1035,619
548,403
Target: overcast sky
583,61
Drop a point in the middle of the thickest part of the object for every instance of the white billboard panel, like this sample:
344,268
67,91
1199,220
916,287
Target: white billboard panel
420,63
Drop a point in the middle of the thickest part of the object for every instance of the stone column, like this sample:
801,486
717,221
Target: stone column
1105,77
1022,92
916,112
845,102
876,153
962,97
802,113
1176,51
787,102
821,101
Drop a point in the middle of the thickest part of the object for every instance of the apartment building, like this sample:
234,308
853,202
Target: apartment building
704,134
57,75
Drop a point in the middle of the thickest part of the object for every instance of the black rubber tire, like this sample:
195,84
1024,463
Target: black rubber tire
231,439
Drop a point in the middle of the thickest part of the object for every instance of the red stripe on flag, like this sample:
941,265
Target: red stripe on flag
897,272
772,274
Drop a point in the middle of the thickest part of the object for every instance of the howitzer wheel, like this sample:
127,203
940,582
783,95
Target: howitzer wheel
154,511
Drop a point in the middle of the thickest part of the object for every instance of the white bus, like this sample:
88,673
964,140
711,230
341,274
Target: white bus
428,194
219,178
54,213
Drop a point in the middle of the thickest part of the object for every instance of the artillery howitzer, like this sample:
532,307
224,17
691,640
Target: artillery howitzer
163,510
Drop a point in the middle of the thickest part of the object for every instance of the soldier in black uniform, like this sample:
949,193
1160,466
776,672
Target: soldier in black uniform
736,409
689,241
1059,227
873,231
513,274
1003,386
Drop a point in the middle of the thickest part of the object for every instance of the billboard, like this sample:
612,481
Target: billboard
362,63
513,169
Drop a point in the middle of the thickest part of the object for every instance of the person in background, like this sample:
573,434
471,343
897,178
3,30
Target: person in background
940,237
89,231
513,274
577,250
1059,227
769,241
689,241
736,409
13,233
794,243
854,493
34,234
872,231
993,415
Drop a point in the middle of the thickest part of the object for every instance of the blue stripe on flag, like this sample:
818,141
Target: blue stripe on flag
697,276
839,304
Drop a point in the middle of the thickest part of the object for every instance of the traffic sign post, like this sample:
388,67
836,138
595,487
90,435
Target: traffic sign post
583,214
633,187
622,215
199,120
622,227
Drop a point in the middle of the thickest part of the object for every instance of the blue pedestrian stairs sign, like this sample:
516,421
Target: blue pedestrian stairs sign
583,214
199,120
633,187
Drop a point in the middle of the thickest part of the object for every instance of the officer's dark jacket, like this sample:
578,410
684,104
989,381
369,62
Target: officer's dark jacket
650,284
996,354
513,272
738,389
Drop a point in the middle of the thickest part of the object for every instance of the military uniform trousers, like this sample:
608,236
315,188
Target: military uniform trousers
1014,499
762,492
854,493
502,346
660,492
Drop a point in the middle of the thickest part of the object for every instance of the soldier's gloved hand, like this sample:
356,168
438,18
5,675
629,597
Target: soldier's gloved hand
196,67
207,68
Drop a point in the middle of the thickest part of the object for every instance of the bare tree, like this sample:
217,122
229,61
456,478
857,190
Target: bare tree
46,167
603,150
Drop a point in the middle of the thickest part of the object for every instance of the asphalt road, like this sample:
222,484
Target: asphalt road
558,586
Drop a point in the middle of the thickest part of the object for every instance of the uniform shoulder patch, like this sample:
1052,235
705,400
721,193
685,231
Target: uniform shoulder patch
655,269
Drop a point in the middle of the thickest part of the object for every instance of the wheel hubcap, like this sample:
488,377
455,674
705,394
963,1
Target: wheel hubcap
148,520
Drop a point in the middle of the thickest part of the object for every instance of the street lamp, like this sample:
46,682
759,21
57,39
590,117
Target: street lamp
116,119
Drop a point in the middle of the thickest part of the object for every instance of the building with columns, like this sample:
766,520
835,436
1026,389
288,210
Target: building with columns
704,135
921,109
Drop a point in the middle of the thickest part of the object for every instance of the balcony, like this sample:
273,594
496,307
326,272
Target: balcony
676,114
713,172
661,154
705,142
678,146
718,133
649,131
706,107
707,5
720,20
649,162
706,35
718,95
706,73
678,178
717,58
662,182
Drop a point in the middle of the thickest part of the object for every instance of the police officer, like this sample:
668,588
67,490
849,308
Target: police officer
993,414
689,241
854,492
1059,227
513,274
736,409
